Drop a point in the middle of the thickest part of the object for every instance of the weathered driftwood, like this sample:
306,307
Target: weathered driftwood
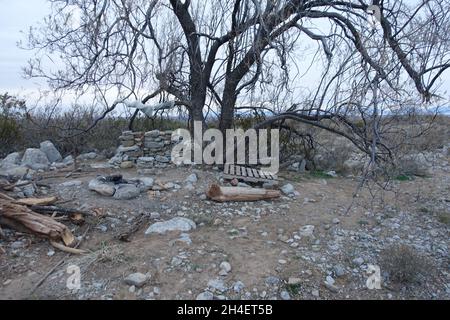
223,194
36,201
64,248
22,218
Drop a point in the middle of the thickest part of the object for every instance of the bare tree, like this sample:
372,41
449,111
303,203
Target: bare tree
222,56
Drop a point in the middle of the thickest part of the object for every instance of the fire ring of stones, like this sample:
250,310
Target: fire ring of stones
120,189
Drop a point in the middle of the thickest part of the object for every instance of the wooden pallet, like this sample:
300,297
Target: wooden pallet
232,171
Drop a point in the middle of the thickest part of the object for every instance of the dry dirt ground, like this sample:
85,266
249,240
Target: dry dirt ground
269,255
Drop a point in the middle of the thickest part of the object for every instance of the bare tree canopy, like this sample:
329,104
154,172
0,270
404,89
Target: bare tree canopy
225,56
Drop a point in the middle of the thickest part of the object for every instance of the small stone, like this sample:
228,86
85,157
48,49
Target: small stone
287,189
127,165
330,280
307,231
175,224
315,293
338,270
294,281
285,295
205,296
331,287
217,285
192,178
336,221
136,279
225,266
132,289
358,261
238,286
282,261
70,184
155,215
50,253
176,262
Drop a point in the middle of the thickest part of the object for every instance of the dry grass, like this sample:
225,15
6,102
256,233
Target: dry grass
403,264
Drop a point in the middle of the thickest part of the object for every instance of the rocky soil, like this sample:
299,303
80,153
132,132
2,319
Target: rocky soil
318,241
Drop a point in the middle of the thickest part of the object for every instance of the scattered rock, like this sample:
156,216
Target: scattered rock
331,287
192,178
336,221
69,184
127,165
50,151
68,160
307,231
338,270
217,285
294,281
99,185
206,295
15,171
287,189
358,261
126,192
87,156
136,279
225,268
285,295
330,280
238,286
35,159
175,224
12,159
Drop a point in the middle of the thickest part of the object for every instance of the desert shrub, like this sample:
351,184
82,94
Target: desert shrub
403,264
11,109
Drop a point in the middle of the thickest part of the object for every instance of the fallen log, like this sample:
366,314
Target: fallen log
223,194
23,219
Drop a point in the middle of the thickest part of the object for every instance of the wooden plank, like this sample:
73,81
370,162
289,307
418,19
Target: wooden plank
232,169
243,171
226,168
261,174
255,173
249,172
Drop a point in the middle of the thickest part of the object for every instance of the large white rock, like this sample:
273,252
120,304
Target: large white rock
11,159
15,171
101,187
126,192
175,224
35,159
50,151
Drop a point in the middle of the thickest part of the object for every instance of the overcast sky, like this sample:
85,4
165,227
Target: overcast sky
16,17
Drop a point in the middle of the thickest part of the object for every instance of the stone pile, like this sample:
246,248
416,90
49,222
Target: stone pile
145,150
24,164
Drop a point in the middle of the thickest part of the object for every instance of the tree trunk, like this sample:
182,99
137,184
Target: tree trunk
228,104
